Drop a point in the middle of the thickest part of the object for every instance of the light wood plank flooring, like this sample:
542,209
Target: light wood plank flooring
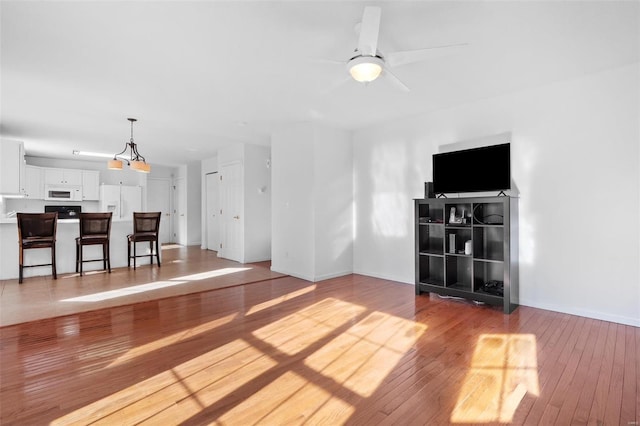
351,350
184,270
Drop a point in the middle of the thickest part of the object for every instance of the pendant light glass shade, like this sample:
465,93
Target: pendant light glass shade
365,68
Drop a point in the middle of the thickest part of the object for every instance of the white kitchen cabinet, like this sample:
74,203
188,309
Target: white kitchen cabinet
12,167
62,177
34,183
90,185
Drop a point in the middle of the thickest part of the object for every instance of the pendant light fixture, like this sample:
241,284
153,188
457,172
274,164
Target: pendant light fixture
135,161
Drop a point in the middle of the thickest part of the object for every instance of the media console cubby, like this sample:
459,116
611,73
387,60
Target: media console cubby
468,247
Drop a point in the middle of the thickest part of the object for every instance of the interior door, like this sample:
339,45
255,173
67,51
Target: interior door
180,211
232,220
213,211
159,200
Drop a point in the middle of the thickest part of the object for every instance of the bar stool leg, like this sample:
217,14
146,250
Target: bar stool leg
80,257
108,256
134,255
21,266
157,253
53,261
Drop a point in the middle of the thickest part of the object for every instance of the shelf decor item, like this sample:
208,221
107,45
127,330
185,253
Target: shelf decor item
477,258
468,247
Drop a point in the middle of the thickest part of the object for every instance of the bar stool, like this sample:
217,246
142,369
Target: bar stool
145,228
37,230
95,229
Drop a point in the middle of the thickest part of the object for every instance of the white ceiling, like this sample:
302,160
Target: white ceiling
200,75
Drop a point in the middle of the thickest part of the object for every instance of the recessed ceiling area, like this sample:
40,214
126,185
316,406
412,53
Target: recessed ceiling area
201,75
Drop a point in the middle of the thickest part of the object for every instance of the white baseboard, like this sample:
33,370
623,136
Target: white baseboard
604,316
384,277
332,275
619,319
312,278
292,274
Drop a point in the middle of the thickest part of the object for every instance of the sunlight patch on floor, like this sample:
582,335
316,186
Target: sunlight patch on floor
170,246
176,394
361,357
156,285
297,331
172,339
503,369
84,273
211,274
290,399
272,302
350,351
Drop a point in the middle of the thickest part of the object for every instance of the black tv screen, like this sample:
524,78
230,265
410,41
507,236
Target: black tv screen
472,170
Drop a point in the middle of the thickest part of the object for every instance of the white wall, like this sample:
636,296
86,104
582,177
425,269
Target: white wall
333,202
575,160
194,203
257,203
312,205
292,178
162,171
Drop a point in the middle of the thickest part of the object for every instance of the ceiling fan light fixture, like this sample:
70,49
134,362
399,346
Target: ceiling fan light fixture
365,68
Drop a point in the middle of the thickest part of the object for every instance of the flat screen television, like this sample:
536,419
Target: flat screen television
487,168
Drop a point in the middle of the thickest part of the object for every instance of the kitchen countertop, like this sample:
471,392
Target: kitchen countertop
66,234
13,220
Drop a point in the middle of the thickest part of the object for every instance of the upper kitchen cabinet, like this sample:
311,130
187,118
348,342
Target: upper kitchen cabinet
12,167
62,177
33,187
90,185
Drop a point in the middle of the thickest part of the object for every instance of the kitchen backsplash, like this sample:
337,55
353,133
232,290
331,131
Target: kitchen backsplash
26,205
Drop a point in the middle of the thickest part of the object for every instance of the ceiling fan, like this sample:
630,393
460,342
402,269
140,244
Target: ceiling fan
368,63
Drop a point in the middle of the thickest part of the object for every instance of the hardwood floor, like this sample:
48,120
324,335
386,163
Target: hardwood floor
184,270
350,350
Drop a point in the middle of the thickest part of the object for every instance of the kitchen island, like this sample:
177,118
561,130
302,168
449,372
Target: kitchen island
67,232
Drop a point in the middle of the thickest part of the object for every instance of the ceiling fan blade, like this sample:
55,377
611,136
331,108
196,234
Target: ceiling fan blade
409,56
395,80
368,41
335,85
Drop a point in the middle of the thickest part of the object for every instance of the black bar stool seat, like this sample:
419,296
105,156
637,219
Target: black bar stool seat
146,226
95,229
36,231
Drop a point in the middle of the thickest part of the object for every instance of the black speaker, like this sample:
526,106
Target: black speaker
428,190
